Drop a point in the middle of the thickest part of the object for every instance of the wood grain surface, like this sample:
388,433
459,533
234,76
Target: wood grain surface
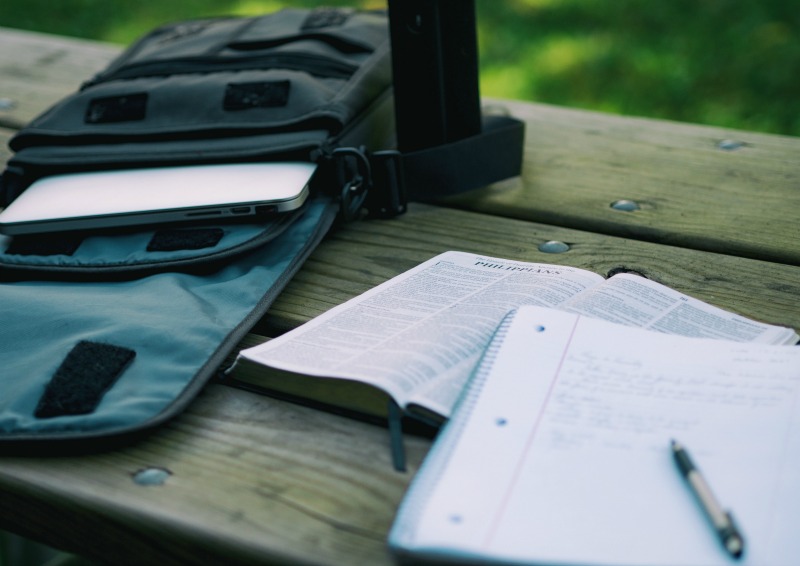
360,255
699,187
250,480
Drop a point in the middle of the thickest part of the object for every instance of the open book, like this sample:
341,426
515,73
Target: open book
417,337
559,450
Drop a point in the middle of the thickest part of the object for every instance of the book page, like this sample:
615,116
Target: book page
563,447
419,335
637,301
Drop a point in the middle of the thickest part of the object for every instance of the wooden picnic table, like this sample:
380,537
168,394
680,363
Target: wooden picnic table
249,479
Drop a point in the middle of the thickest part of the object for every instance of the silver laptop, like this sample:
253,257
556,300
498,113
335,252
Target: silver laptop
113,199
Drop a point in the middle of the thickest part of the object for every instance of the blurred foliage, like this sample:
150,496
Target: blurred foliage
733,63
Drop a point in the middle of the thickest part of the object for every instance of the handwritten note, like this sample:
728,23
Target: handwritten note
630,397
559,453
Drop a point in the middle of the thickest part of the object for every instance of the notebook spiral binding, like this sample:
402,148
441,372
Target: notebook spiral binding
429,474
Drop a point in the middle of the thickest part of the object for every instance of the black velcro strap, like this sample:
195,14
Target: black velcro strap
46,245
113,109
187,239
325,17
264,94
82,379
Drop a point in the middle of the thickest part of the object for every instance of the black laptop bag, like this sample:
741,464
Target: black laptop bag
104,335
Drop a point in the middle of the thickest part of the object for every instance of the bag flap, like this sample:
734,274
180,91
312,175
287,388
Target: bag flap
226,78
97,360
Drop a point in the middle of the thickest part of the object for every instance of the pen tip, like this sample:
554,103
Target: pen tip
734,546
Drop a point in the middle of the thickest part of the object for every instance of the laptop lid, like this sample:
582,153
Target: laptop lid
112,199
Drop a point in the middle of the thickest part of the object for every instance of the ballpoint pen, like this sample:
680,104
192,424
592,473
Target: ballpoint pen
721,520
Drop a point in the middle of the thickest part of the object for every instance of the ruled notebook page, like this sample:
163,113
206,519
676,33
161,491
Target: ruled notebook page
559,453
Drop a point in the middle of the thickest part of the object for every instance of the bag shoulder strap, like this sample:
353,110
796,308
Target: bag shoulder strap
385,181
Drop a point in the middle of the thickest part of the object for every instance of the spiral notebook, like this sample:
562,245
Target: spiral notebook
559,450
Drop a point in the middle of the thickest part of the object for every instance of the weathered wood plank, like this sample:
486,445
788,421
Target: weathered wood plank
692,193
39,69
360,255
253,481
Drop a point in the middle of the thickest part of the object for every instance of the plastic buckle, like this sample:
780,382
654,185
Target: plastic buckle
387,198
354,175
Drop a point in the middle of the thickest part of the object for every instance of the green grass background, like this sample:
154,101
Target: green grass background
733,63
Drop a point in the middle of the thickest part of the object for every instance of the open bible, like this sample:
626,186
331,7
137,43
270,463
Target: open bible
417,338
